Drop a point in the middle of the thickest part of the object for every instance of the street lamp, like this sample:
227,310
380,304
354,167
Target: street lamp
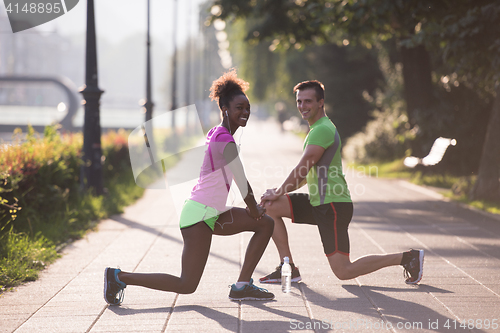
92,152
148,105
188,64
174,79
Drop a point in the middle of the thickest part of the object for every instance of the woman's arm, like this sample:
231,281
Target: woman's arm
234,162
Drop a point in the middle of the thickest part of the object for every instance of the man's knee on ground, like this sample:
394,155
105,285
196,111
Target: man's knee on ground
341,270
341,274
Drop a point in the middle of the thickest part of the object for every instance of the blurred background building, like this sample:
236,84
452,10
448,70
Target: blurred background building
57,49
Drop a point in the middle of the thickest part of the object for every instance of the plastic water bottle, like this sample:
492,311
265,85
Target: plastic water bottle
286,276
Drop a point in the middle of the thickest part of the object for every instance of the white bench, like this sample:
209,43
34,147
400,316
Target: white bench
435,155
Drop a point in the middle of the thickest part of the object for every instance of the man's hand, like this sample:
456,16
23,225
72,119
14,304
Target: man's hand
269,196
297,177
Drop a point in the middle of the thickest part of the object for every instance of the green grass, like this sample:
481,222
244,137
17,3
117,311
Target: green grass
486,206
394,169
454,187
24,254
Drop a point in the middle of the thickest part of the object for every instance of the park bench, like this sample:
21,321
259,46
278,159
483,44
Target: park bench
435,155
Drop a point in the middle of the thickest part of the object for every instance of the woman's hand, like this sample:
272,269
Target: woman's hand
257,212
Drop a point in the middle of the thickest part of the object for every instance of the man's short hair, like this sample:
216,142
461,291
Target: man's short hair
318,87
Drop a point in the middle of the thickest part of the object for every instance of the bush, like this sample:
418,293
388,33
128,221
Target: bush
42,203
385,138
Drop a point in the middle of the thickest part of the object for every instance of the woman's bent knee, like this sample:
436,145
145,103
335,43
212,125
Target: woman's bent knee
188,288
187,285
267,224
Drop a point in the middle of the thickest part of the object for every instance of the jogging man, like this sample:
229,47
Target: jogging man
328,204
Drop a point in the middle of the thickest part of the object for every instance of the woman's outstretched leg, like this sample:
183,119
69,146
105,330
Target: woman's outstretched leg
197,240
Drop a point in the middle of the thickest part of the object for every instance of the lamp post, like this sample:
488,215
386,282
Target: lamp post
92,152
174,79
188,64
148,105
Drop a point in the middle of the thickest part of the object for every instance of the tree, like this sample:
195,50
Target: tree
487,185
466,33
347,72
349,21
470,39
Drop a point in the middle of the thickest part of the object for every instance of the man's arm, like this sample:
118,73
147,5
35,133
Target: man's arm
297,177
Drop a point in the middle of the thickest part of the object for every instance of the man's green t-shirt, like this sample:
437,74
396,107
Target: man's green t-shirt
326,180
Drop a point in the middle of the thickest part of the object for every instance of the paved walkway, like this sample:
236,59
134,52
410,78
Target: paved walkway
460,281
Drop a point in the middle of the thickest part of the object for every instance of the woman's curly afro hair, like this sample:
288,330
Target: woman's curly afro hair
226,87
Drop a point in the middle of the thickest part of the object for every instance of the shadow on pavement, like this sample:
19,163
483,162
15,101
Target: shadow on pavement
405,312
420,288
286,322
396,311
128,311
429,215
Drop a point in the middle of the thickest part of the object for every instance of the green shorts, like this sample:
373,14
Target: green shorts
194,212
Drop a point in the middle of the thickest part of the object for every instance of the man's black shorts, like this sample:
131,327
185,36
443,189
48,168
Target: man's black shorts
332,220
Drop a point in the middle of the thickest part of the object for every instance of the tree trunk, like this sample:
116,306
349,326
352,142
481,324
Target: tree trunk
487,186
418,89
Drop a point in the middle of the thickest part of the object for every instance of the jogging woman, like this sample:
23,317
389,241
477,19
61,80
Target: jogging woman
204,213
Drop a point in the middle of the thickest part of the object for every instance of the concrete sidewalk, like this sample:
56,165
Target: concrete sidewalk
460,283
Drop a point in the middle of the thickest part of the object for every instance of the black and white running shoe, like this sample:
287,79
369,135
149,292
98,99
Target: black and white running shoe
414,269
250,292
275,277
113,288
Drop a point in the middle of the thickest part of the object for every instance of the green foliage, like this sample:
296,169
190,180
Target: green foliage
389,135
468,38
262,68
41,183
488,206
392,169
383,139
463,34
461,40
319,21
444,180
41,175
273,70
460,190
290,21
